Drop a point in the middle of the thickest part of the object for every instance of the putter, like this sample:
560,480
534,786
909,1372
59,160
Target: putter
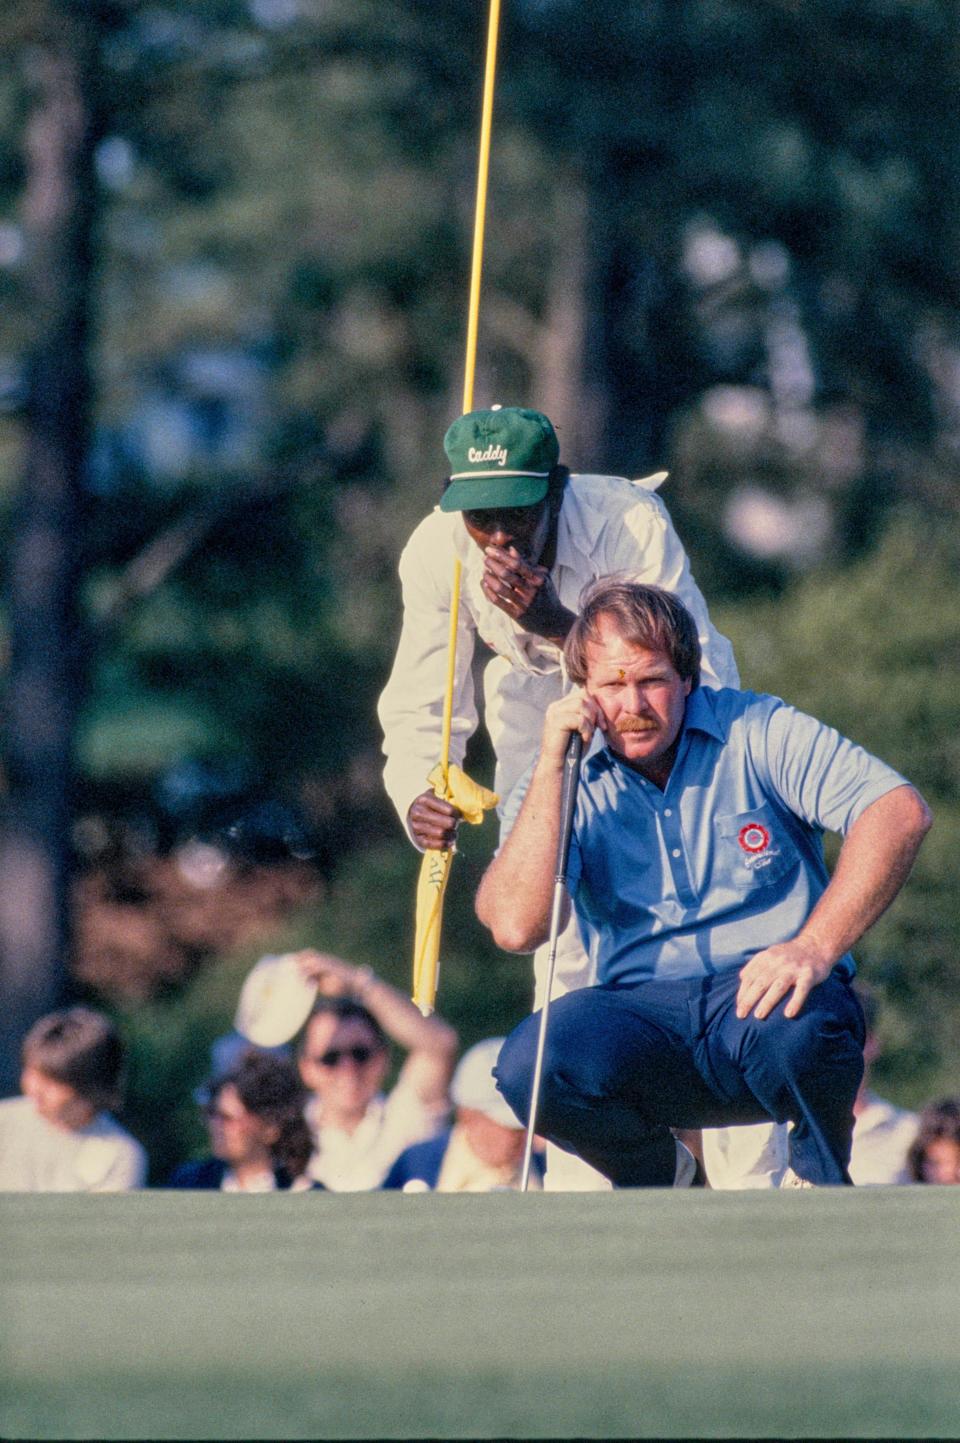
571,777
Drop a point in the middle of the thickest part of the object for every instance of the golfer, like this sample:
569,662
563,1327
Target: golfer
698,882
529,536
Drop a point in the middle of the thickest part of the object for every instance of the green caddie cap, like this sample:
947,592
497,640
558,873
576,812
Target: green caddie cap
498,458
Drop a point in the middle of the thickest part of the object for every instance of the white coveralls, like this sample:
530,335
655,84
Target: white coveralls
607,525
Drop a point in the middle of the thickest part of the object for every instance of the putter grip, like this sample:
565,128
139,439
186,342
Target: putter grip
568,800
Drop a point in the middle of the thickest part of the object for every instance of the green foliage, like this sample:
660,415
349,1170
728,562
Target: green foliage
168,1049
369,917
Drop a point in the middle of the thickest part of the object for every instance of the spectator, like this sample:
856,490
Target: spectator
60,1135
483,1151
934,1155
882,1132
344,1057
229,1049
259,1139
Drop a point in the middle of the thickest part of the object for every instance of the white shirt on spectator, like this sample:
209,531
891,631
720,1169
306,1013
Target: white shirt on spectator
360,1160
261,1182
35,1156
882,1135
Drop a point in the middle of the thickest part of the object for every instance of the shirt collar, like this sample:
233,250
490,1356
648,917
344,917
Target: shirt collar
699,715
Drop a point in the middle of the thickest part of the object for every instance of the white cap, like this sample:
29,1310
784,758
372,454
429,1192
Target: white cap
275,1001
473,1085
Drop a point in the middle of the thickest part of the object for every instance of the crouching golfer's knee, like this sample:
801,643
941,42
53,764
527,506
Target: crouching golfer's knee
515,1064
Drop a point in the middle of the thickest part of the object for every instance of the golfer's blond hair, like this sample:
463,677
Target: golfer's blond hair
645,616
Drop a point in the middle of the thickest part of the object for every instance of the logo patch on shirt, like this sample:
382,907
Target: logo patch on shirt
754,838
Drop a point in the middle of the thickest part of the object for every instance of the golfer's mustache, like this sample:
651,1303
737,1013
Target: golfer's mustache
630,723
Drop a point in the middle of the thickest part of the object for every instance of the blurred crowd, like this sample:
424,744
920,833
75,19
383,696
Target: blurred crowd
314,1112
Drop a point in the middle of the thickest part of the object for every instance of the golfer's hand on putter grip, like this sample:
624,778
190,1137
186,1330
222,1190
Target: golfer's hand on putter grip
798,965
434,822
575,712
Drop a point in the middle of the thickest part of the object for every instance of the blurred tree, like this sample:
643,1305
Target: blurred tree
43,687
772,302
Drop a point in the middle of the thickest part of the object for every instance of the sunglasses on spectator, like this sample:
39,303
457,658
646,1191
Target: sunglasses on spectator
334,1055
217,1114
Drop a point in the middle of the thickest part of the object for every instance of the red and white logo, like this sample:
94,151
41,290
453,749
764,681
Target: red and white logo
754,838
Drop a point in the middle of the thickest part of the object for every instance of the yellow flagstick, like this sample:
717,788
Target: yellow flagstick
480,217
435,867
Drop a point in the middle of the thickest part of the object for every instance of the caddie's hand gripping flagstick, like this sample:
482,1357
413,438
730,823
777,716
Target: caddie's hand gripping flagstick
568,803
435,867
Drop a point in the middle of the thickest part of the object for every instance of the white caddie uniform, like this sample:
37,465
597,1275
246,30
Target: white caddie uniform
607,526
758,1156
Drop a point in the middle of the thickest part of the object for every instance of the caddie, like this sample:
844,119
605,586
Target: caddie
529,536
698,883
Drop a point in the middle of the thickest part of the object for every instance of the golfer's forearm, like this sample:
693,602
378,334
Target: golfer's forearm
874,862
516,894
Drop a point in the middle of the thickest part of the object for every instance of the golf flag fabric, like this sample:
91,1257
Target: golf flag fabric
472,800
467,796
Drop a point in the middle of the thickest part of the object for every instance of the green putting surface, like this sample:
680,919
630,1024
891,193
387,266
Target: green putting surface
833,1313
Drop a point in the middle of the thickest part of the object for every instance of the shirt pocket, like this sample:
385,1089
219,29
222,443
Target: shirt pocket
753,849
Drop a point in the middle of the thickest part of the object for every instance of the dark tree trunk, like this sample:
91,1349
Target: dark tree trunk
640,364
44,682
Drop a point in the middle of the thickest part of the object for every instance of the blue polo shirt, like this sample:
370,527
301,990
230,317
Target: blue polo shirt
728,859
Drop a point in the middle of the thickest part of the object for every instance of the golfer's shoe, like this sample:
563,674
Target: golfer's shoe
790,1179
689,1173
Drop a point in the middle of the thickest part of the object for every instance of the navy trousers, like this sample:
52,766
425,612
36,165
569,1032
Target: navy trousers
622,1065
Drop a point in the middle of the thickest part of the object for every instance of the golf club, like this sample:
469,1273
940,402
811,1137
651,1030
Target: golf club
571,777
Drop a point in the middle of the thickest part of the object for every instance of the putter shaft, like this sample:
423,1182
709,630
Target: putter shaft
571,778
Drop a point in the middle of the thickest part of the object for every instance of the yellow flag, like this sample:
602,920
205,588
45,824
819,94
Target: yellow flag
472,800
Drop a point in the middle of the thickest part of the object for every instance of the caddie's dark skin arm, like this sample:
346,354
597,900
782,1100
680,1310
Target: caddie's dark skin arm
525,591
516,894
433,822
874,862
518,546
